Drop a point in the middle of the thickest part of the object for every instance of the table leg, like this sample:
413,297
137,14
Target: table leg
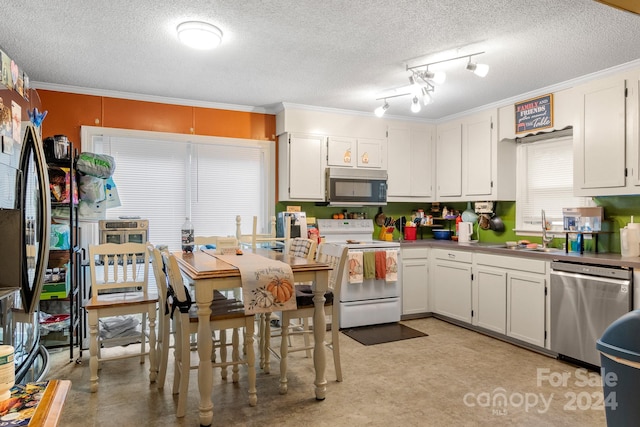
265,344
320,285
251,364
205,371
153,359
284,339
93,349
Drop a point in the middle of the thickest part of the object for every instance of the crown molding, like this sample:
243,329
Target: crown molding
148,98
291,106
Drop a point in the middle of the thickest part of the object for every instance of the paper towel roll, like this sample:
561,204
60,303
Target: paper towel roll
7,371
630,241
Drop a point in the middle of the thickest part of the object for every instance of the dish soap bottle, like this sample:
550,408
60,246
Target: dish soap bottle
458,221
187,236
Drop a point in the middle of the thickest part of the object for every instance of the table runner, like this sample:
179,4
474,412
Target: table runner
267,285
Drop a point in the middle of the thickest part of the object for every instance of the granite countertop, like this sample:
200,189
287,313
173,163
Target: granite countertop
610,259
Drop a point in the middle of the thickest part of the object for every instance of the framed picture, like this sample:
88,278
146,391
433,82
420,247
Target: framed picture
534,114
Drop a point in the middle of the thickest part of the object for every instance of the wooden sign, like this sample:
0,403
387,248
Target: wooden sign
534,114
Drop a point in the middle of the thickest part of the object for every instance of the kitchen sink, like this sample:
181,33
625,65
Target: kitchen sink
525,249
545,250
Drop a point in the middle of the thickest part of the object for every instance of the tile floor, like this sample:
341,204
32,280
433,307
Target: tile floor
453,377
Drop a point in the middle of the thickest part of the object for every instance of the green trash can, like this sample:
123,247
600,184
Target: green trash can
619,349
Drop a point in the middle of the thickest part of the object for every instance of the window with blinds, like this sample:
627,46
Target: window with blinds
545,181
209,180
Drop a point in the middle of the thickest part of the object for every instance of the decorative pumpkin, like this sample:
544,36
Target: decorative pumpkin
281,289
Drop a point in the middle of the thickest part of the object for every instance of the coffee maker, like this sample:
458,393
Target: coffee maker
298,224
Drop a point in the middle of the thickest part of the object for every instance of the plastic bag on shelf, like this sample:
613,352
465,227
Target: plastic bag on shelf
92,188
98,165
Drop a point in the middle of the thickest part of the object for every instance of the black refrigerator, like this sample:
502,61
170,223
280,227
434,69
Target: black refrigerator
24,225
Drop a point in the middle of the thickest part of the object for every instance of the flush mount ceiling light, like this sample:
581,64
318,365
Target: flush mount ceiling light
199,35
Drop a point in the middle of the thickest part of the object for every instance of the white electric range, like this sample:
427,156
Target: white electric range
374,301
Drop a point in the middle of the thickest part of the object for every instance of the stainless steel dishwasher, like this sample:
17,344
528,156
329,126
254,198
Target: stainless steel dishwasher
585,300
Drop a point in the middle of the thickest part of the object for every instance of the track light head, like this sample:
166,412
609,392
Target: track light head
480,70
426,96
435,76
382,109
415,105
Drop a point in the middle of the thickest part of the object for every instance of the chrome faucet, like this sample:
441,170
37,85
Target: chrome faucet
545,239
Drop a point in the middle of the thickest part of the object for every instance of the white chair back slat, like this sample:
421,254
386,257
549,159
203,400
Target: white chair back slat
124,266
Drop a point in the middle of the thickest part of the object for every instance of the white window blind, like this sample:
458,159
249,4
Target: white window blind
545,181
211,181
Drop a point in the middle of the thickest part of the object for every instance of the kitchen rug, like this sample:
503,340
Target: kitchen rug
379,334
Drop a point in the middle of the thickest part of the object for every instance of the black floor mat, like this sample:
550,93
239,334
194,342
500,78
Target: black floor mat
378,334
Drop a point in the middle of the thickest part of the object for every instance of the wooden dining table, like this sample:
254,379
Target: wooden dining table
207,273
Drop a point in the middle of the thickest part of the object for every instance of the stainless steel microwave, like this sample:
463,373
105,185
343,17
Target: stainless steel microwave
356,187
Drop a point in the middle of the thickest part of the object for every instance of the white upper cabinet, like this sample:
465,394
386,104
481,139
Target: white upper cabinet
449,160
301,167
477,149
341,151
471,163
355,152
410,164
600,138
370,153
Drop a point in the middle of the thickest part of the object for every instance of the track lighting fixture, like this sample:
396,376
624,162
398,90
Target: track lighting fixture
422,81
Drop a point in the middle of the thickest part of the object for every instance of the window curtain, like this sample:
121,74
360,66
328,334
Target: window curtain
211,182
545,181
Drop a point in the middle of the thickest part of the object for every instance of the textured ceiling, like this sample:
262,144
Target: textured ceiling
334,54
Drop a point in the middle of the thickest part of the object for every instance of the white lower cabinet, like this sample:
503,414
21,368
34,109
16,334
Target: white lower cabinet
510,296
526,307
490,299
415,278
451,285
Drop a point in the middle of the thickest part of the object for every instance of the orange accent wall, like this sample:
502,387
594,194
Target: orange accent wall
67,112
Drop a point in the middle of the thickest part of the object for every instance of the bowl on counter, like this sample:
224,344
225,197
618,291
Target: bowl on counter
442,234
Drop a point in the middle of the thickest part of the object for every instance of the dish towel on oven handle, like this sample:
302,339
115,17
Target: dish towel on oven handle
267,284
355,267
369,264
381,265
392,266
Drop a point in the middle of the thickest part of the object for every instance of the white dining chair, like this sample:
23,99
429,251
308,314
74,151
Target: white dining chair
298,247
119,287
254,239
335,256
